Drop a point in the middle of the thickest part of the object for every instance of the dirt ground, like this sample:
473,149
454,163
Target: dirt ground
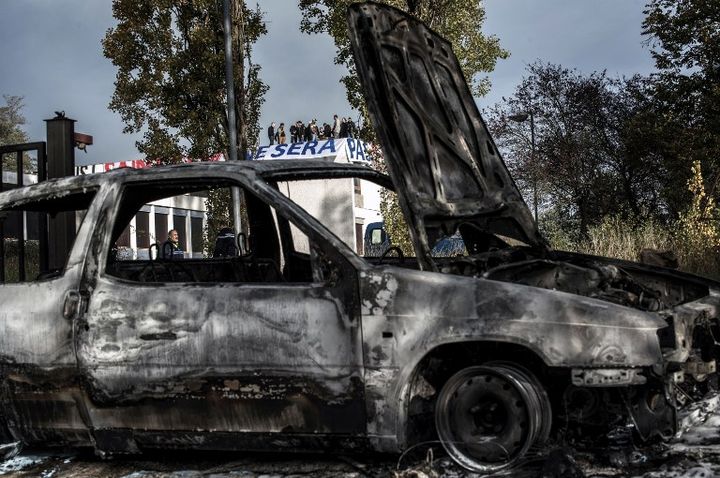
694,453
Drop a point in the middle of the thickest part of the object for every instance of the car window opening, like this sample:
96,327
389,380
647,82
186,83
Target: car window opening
184,233
37,236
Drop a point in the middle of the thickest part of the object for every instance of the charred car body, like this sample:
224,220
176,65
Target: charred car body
307,346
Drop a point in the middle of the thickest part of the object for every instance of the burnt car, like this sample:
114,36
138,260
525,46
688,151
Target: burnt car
299,342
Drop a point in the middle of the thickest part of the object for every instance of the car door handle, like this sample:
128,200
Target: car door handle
73,305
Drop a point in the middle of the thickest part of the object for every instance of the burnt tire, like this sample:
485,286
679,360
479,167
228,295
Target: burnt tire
488,417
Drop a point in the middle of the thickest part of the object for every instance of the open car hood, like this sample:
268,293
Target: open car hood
437,148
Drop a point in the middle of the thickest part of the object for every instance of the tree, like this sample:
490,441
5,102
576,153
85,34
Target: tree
170,82
597,145
458,21
684,38
11,132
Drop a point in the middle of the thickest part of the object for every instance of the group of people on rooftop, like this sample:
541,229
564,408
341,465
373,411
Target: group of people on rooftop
299,132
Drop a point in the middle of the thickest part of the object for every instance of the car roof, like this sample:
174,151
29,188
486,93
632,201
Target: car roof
276,169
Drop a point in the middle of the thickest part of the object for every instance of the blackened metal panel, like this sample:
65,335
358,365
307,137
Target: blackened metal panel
243,357
36,342
437,148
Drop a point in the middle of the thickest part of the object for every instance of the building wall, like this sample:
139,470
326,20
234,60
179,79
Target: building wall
328,200
366,207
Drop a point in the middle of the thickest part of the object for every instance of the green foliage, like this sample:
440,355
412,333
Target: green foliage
170,83
11,132
11,121
598,145
684,36
460,22
395,224
219,214
698,229
171,75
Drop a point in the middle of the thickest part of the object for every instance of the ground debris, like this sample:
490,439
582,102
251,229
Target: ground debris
561,464
425,469
10,450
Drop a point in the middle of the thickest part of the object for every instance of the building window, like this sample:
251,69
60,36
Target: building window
356,185
124,239
196,230
161,227
142,228
179,222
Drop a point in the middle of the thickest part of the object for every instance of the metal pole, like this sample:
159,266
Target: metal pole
534,165
229,81
232,125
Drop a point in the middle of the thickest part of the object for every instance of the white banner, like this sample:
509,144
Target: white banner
341,150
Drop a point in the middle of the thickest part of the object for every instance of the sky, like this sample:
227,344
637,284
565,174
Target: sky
50,53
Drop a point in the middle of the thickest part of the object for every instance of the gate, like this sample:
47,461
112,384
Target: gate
19,151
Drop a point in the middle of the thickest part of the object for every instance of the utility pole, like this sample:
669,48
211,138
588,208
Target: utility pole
534,165
232,123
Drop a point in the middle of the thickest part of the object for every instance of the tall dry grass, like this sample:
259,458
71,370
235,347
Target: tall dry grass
694,238
623,239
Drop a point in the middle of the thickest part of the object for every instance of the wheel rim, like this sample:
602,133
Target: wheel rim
488,417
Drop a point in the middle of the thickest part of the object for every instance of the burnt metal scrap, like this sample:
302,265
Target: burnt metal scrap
493,353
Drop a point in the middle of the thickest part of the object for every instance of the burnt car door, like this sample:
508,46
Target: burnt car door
39,298
220,344
438,151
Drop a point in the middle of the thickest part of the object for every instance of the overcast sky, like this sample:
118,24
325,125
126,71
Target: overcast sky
50,53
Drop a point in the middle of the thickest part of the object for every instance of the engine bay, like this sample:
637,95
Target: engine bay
619,282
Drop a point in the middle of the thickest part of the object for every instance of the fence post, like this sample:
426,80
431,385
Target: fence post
60,164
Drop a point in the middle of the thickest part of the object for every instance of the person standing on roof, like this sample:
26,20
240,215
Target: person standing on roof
271,133
314,130
343,128
336,126
351,128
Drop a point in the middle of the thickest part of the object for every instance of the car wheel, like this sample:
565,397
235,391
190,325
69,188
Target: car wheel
489,416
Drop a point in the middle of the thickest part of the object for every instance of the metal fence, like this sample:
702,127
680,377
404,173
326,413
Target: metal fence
19,151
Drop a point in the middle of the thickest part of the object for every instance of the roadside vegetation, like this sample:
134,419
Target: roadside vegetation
693,239
626,164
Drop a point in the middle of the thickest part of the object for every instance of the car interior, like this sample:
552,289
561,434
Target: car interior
265,252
